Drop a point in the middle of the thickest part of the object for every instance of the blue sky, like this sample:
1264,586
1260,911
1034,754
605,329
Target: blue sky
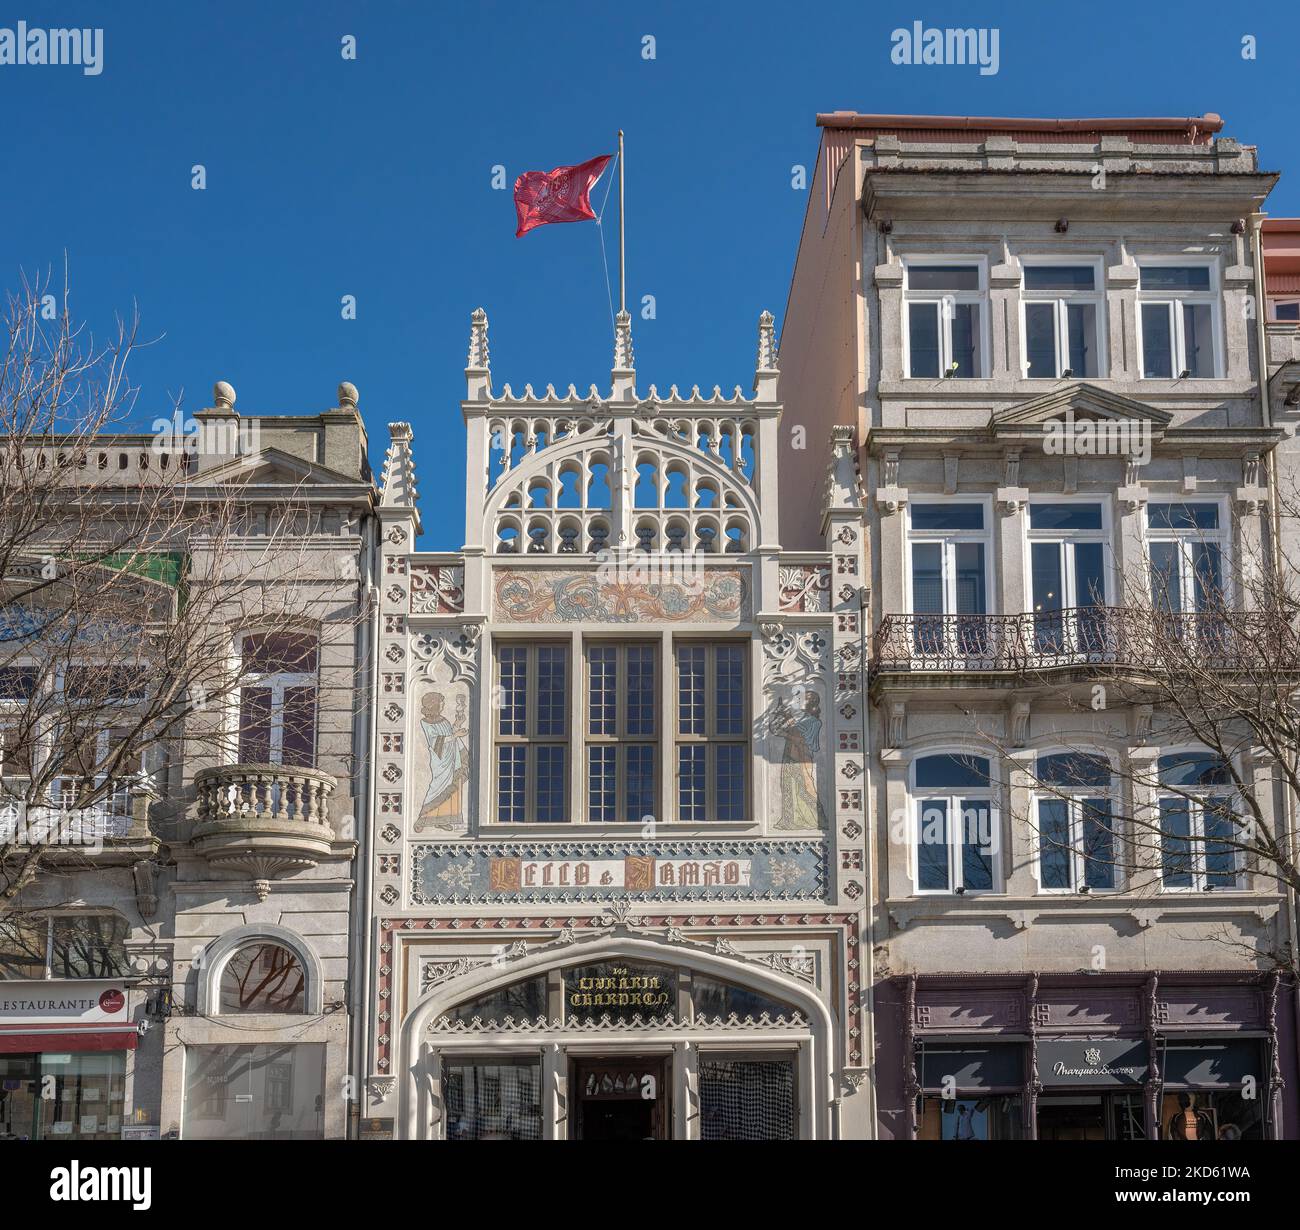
373,178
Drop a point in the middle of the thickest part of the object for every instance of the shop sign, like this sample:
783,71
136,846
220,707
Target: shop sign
139,1131
62,1002
1105,1061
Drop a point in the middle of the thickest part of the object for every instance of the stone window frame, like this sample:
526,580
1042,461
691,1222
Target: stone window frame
211,960
1213,298
980,298
915,797
1096,298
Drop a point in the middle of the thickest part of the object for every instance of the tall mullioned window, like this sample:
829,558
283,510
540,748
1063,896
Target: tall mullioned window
1178,321
622,732
532,734
712,732
1063,311
945,319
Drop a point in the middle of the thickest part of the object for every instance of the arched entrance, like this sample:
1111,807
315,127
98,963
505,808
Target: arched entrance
620,1037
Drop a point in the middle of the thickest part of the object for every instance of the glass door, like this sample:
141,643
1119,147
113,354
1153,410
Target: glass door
949,580
1069,586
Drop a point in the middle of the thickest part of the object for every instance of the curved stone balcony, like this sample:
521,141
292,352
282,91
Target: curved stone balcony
265,820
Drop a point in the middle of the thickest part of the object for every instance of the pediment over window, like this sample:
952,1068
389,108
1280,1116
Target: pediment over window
273,467
1079,401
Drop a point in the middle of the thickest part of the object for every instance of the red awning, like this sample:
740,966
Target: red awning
68,1040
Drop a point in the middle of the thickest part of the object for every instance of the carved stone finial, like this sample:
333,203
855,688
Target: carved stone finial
623,357
223,395
843,482
479,358
348,396
398,488
768,360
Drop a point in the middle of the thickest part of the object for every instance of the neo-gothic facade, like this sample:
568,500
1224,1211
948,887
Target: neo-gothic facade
618,851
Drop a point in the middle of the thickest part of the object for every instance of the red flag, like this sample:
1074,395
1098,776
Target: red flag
557,196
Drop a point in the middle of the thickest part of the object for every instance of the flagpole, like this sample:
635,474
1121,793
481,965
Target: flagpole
622,267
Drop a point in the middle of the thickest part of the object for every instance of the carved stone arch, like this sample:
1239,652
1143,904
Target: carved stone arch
411,1054
217,953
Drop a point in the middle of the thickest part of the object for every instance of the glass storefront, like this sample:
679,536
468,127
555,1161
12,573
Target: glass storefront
493,1099
264,1092
62,1096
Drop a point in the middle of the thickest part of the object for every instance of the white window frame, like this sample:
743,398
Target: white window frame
1196,826
918,796
948,540
1073,797
1184,540
1174,303
978,297
1060,299
1276,301
1063,537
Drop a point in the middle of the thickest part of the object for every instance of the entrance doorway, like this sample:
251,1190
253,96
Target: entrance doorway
620,1098
1091,1116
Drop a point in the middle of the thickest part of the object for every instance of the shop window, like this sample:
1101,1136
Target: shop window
1205,1086
263,978
993,1117
521,1001
66,1097
260,1092
1222,1115
63,946
494,1099
746,1098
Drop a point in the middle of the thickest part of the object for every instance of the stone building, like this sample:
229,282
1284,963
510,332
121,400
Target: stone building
618,853
968,292
195,975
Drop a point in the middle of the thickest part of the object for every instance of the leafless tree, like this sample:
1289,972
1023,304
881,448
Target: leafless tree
126,573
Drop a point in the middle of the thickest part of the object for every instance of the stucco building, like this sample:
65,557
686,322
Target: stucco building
967,292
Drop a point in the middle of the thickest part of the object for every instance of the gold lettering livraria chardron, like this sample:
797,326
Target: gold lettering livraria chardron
620,990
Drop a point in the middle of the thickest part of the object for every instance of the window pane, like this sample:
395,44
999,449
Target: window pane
1054,843
1175,277
298,736
970,578
17,682
493,1100
1157,342
691,689
511,792
88,946
551,786
1069,769
1089,575
978,842
1183,516
514,690
965,340
1040,339
519,1000
552,691
640,782
731,782
923,339
746,1100
276,653
263,978
1060,277
1166,585
1043,516
927,578
943,277
1176,851
1220,858
602,784
1198,340
1207,576
952,770
1045,569
1286,311
932,844
261,1092
1081,334
22,948
640,690
954,516
691,783
255,725
1098,844
602,700
1193,769
730,682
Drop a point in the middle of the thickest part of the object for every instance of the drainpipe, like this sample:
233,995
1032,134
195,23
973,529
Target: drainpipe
360,948
1266,420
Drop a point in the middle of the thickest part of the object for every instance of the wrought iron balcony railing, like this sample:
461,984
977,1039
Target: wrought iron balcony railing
1078,637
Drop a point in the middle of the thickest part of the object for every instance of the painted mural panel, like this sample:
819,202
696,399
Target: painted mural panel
462,873
627,594
792,732
439,757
